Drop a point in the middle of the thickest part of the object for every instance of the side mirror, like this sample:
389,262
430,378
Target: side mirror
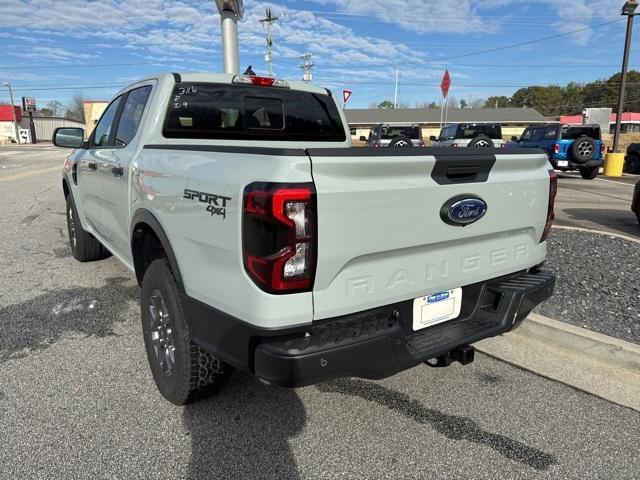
68,137
433,138
363,138
514,139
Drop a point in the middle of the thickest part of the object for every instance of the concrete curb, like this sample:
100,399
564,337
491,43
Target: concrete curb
598,364
600,347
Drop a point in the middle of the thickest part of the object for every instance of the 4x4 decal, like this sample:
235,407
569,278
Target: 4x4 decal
216,204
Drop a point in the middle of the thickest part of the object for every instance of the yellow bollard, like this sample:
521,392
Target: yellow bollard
613,164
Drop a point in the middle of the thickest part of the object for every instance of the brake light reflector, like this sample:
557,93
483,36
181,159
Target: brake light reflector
553,190
556,148
279,239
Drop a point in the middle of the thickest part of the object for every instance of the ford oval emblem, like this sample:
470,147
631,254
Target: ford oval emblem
463,210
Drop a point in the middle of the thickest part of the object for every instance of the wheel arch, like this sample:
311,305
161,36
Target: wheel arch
143,224
65,187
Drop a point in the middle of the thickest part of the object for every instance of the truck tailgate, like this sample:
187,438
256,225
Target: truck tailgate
381,238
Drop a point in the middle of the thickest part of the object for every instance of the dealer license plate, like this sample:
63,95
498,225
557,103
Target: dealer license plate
436,308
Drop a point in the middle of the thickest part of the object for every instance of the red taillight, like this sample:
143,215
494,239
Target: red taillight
556,148
603,149
553,190
279,236
262,81
259,81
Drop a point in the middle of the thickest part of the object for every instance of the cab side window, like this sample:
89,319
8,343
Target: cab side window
102,132
538,134
551,133
526,136
131,115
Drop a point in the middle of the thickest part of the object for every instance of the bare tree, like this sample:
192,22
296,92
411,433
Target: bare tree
53,108
75,108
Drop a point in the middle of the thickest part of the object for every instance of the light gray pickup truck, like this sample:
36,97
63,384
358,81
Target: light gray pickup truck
263,241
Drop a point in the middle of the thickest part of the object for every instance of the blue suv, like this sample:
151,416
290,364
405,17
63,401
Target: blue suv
569,147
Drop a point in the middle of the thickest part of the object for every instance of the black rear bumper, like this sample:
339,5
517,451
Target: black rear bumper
379,343
596,162
371,344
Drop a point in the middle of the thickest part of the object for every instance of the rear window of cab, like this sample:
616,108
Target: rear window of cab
242,112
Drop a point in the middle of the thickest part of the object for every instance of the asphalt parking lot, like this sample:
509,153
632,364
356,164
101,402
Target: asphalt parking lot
77,400
600,204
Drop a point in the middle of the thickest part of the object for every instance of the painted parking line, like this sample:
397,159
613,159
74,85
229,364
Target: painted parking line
568,175
31,173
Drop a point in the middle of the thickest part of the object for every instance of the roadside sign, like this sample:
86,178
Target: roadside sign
446,83
346,95
28,104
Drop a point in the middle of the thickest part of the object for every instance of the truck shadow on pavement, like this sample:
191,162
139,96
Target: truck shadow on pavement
37,323
244,431
618,221
452,426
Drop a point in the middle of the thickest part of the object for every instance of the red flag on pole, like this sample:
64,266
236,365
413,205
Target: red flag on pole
446,83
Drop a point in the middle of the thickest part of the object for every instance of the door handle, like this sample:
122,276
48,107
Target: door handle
117,171
92,165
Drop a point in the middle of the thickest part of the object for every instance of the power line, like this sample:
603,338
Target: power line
530,42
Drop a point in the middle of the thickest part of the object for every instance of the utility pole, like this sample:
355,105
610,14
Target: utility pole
13,112
306,67
395,98
268,23
628,9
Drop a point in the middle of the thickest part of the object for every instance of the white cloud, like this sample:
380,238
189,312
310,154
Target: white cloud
422,16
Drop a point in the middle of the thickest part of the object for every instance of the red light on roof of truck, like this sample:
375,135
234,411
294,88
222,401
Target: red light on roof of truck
260,81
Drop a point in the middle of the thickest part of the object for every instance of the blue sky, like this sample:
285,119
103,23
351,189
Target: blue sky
53,49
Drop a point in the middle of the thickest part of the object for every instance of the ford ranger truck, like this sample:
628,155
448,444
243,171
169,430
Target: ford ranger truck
264,242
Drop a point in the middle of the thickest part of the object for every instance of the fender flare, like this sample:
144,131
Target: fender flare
145,216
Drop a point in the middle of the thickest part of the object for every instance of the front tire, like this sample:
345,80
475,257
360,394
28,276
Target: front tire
182,371
84,246
589,173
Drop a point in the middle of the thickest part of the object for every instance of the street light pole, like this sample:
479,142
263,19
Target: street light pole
13,112
629,10
230,12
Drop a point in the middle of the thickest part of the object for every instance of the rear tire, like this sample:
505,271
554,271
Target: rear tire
401,141
481,141
182,371
84,246
589,173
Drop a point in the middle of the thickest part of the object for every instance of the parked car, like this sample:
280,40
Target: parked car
569,147
635,203
263,241
483,135
632,159
394,136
